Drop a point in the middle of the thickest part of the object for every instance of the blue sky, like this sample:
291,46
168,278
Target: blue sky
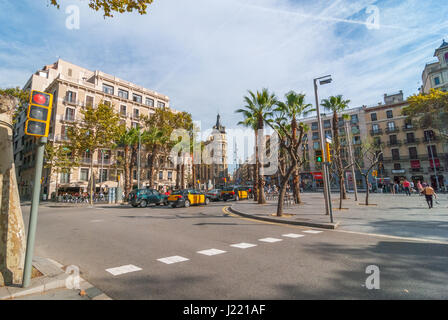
206,54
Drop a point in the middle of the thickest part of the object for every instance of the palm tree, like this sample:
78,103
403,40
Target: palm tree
155,141
293,107
337,104
129,142
256,112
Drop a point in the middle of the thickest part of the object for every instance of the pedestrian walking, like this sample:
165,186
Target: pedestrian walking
419,188
429,192
406,186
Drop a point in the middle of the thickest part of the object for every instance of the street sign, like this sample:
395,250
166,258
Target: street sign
39,114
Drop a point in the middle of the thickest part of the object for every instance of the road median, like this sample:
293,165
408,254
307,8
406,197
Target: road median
266,213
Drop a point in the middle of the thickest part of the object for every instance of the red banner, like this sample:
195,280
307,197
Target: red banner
317,175
415,164
432,163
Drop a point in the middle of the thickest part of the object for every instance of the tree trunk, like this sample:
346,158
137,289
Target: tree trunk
182,175
296,187
92,180
281,196
255,180
261,197
151,167
12,228
367,192
341,191
127,171
337,147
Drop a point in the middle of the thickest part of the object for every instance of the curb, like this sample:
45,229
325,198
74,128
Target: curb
54,277
321,225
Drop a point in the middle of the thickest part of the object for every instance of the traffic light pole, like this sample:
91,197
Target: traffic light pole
33,213
328,209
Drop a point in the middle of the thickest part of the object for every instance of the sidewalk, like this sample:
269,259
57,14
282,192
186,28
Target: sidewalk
387,214
55,283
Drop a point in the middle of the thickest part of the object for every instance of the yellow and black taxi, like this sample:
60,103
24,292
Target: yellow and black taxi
187,197
234,193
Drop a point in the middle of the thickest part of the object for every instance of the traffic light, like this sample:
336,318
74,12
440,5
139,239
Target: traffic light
327,145
318,155
38,114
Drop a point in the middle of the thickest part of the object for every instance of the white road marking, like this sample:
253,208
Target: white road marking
123,269
211,252
292,235
243,245
312,231
173,259
98,220
271,240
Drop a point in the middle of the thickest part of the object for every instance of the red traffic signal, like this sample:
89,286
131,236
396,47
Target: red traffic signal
40,98
38,114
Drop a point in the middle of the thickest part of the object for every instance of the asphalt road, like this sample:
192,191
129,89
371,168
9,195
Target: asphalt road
325,265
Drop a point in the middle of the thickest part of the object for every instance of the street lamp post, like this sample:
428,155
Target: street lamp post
327,195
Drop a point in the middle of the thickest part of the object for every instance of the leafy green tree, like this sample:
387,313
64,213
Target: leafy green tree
337,104
110,6
159,127
59,159
257,110
293,107
12,229
431,110
100,128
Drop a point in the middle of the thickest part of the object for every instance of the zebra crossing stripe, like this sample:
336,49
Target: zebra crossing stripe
293,235
123,269
173,259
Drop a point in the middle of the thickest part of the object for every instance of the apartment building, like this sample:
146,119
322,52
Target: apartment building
435,74
409,150
353,130
74,88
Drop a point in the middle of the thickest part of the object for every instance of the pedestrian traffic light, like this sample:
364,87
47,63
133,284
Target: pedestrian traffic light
38,114
327,145
318,155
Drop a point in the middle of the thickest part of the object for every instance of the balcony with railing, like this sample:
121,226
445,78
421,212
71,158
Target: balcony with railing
395,143
410,127
72,102
412,141
376,132
392,129
431,139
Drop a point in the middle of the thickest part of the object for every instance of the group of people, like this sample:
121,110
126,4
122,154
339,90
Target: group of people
423,189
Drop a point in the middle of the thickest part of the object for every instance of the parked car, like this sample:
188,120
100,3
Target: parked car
187,197
234,193
214,195
143,197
